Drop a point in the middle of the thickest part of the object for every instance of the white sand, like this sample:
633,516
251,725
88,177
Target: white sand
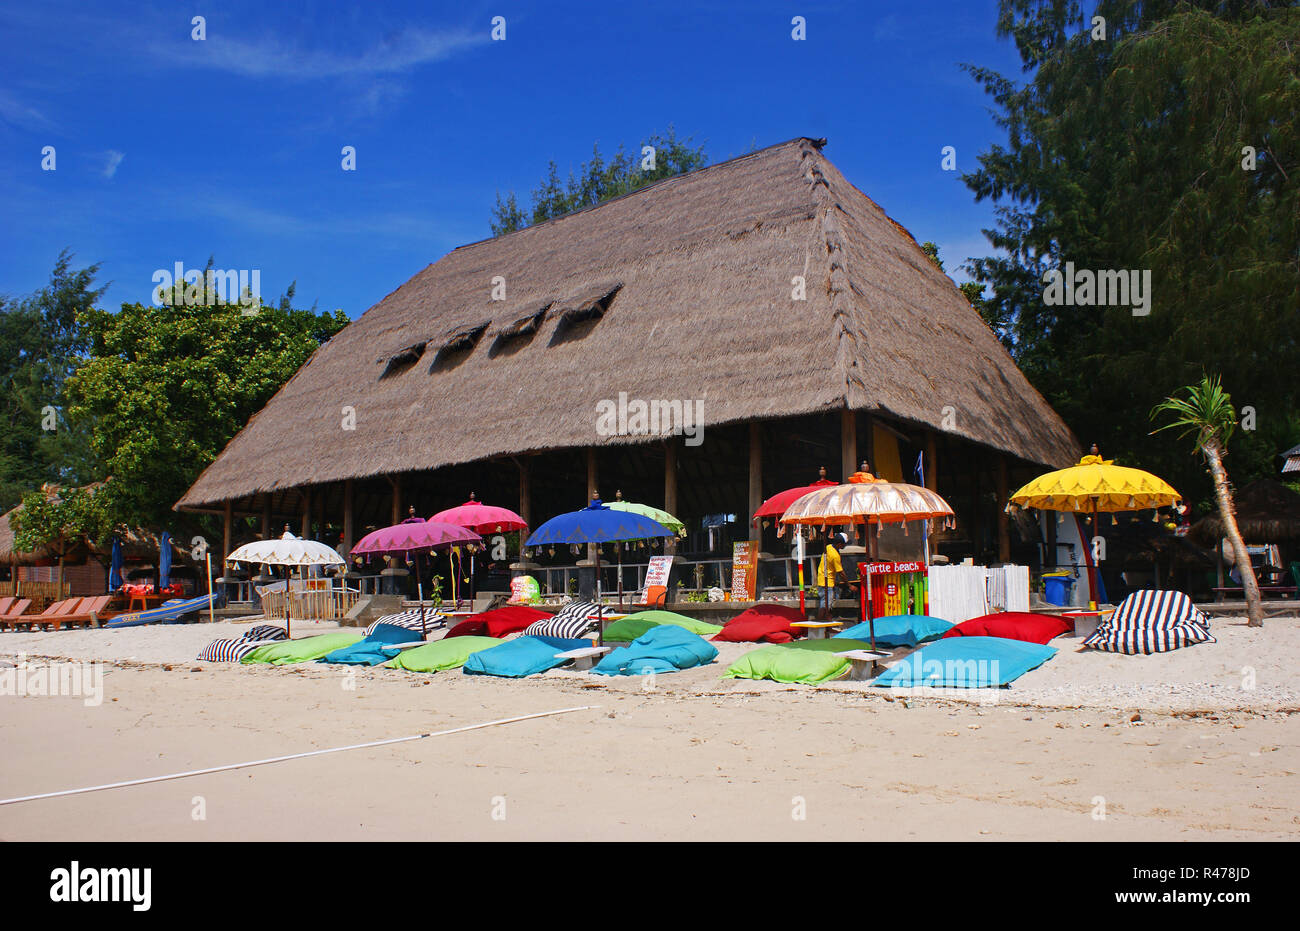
697,757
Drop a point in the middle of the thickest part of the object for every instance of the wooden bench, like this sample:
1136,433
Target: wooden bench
1285,591
583,657
864,664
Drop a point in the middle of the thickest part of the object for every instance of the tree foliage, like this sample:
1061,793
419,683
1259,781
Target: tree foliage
1127,153
598,180
40,345
167,387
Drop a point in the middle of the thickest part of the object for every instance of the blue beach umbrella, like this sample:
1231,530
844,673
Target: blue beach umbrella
597,523
165,561
115,566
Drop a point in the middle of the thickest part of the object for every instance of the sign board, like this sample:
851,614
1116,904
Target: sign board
656,575
744,570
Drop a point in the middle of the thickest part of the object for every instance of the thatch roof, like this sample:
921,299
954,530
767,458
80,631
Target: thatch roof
1267,512
136,544
681,290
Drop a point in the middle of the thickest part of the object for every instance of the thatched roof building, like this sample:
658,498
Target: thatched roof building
681,290
1267,512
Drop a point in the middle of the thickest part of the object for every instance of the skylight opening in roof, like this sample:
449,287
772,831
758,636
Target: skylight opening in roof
577,321
457,348
401,361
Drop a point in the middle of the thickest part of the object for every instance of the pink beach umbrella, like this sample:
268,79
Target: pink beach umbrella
414,537
483,518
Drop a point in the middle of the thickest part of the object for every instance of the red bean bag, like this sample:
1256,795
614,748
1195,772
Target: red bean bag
763,622
1014,625
498,622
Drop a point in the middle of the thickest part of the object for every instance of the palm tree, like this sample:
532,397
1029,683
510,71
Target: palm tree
1206,412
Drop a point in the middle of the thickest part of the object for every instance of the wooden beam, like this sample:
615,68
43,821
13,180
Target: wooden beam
848,444
306,512
670,488
525,490
266,518
395,481
227,530
347,518
593,480
1004,519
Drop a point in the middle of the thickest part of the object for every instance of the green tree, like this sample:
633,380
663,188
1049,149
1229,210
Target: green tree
1127,153
597,181
59,522
167,387
40,345
1204,411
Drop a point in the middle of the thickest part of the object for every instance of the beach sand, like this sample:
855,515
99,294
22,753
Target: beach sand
1184,745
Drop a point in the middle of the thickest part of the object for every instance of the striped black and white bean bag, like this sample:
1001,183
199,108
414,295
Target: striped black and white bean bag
231,651
265,632
1151,622
409,620
574,620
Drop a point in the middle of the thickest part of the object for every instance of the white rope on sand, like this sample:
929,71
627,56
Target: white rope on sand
292,756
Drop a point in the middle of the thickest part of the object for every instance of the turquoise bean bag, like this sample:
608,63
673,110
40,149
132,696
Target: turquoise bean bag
525,656
901,630
966,663
666,648
374,649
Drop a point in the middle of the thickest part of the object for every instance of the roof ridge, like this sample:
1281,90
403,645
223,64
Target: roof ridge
817,143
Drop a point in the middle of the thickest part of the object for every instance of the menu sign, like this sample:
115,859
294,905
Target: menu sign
656,575
744,570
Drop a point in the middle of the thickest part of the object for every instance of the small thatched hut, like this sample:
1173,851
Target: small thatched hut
1267,512
809,327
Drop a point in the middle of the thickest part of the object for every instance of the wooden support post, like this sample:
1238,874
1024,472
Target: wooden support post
755,480
525,490
320,511
593,480
227,531
266,517
1004,519
395,481
347,519
306,512
848,444
670,489
932,461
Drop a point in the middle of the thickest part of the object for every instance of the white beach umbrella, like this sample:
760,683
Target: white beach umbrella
286,550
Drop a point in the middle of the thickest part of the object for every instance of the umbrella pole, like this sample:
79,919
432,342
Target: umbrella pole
419,591
619,547
1092,560
871,619
600,611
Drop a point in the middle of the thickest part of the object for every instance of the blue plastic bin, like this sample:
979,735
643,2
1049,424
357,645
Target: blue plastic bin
1057,589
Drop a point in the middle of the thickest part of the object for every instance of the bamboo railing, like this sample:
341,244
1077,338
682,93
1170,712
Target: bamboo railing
321,604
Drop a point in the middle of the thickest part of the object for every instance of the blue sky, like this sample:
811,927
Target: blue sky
170,149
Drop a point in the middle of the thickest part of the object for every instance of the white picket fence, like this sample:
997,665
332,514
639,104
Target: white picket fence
959,593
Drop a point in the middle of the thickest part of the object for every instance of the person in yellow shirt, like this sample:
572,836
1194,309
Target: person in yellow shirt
830,571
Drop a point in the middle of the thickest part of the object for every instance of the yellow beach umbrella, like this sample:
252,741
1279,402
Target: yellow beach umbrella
1096,485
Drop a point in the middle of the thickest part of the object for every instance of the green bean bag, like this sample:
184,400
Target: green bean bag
634,625
450,653
284,652
807,661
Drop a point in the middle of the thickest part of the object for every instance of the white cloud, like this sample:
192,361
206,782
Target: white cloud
18,114
112,158
270,57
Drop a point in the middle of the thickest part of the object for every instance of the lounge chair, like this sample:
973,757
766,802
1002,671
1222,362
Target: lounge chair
16,607
50,615
5,604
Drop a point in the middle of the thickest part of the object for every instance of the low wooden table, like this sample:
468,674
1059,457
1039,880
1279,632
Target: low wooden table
866,664
818,630
583,657
1085,622
144,601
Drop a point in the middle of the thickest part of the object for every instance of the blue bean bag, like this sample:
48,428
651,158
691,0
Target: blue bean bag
374,649
901,630
966,663
666,648
525,656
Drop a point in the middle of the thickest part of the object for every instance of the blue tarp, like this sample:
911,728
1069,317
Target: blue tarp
666,648
966,663
525,656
